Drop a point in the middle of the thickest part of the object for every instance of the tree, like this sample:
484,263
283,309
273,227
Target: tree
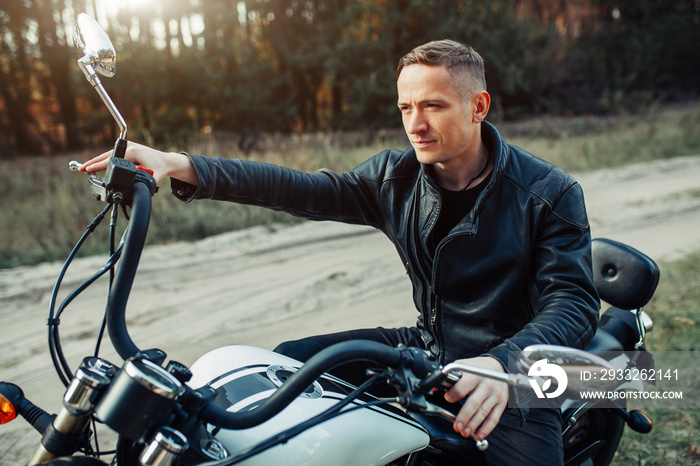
56,54
17,71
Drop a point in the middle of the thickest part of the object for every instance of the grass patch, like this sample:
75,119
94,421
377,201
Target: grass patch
675,309
46,208
588,143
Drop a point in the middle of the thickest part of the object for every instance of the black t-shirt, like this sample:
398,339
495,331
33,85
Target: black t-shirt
455,205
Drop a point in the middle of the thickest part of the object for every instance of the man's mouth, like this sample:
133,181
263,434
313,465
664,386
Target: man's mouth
422,143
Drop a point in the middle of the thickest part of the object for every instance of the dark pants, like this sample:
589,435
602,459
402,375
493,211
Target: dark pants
536,442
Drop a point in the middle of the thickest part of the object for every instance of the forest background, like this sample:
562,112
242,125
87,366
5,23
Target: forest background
584,84
245,69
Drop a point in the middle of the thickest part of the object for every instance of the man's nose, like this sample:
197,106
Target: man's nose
416,123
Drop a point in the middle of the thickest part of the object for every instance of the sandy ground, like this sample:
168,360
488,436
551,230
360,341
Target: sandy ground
264,285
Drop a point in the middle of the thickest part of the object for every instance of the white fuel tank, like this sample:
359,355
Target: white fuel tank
244,376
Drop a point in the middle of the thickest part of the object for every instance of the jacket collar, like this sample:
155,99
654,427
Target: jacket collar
427,197
499,150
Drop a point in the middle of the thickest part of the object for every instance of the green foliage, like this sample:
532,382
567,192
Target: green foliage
254,67
585,143
675,308
639,52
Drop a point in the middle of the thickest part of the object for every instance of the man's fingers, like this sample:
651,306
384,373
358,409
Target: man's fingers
489,424
461,389
96,164
486,399
134,152
486,418
482,410
475,410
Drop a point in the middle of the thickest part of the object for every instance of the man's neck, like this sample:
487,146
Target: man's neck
464,173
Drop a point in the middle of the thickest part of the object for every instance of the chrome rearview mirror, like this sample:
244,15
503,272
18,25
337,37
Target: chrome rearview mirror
538,360
571,358
93,43
98,57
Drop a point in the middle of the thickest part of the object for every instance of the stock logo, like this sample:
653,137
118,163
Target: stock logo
542,370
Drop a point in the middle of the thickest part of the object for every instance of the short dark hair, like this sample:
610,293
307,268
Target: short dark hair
461,61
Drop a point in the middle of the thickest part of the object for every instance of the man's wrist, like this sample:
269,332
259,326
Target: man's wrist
180,167
494,358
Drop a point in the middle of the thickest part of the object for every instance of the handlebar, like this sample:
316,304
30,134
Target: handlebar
134,240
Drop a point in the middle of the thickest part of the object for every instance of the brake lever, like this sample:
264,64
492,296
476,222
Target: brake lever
75,166
436,410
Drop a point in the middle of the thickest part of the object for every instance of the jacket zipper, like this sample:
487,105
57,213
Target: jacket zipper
416,244
431,277
426,277
433,308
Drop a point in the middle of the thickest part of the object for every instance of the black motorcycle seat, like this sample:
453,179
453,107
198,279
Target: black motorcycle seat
623,276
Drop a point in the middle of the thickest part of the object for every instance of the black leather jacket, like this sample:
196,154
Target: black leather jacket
515,271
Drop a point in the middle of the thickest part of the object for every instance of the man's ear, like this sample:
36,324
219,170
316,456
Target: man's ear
482,103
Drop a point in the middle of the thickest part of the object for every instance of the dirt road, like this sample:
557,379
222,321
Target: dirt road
264,285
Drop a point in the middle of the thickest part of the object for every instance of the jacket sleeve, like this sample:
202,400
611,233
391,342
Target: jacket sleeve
566,303
321,195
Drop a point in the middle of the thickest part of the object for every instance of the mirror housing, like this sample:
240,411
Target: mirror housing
93,43
98,57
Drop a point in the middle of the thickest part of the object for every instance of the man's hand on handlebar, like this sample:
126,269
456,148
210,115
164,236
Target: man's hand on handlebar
487,399
163,164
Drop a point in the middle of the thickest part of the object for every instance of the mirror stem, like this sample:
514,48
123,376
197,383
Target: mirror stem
92,77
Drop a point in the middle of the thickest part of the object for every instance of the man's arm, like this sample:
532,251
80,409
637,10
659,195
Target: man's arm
163,164
322,195
567,303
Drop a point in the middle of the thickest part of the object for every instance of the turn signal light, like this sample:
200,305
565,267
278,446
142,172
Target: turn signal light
7,410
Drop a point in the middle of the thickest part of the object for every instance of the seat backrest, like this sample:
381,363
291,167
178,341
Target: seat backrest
623,276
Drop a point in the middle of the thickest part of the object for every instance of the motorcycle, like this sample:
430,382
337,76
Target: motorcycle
246,405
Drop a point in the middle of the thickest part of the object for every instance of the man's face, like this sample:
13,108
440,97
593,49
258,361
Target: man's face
439,124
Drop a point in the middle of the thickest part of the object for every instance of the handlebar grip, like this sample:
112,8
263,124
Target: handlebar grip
451,378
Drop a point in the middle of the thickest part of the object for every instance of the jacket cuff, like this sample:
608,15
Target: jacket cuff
500,353
185,192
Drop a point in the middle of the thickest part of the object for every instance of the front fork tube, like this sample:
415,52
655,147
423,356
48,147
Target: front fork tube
65,435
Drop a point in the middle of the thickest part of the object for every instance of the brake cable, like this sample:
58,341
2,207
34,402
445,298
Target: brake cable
112,238
59,361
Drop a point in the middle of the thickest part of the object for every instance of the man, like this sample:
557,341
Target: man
495,241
